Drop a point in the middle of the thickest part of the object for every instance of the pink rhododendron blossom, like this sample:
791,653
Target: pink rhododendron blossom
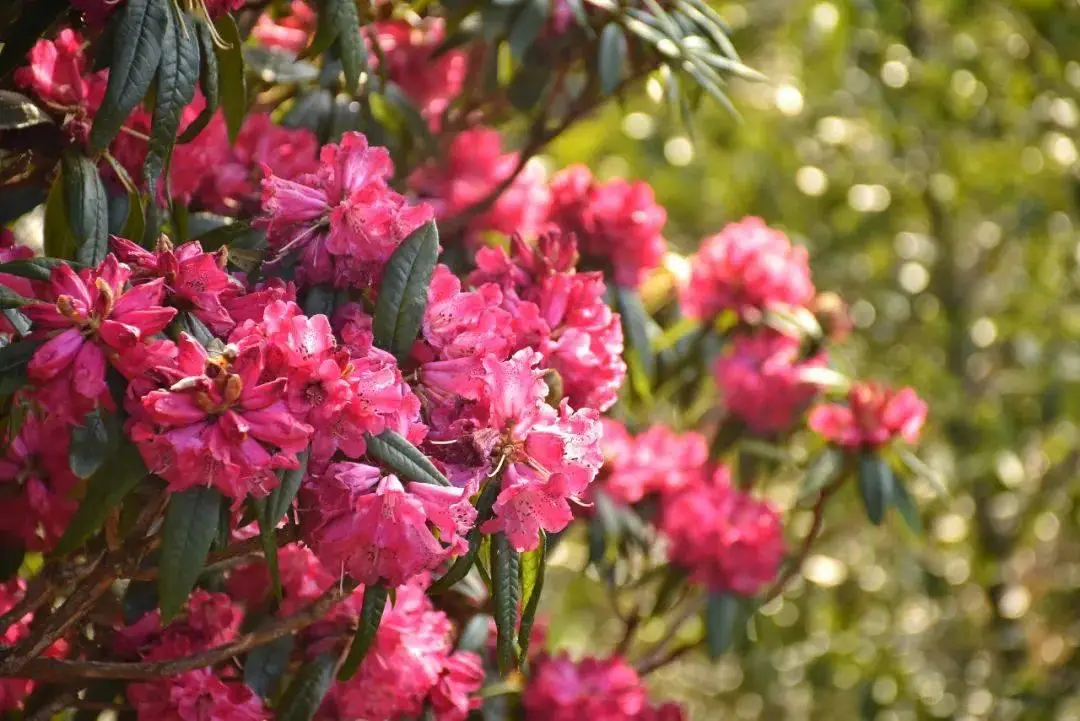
290,32
453,696
377,528
57,70
560,689
196,696
617,223
218,420
746,268
90,320
728,540
252,305
474,167
210,619
658,461
873,417
36,482
759,378
303,579
344,220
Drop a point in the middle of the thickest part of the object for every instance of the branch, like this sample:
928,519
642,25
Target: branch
218,559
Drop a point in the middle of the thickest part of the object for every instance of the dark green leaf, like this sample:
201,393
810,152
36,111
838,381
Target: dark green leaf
11,559
289,480
351,48
59,240
674,580
87,207
528,85
875,486
462,565
635,322
403,292
191,523
722,613
268,539
15,356
311,111
506,580
93,442
823,471
532,586
18,321
140,598
136,54
305,694
208,82
190,324
226,234
232,81
18,111
414,122
11,299
577,7
274,65
371,614
116,477
612,57
405,459
905,505
264,666
527,25
319,300
20,36
177,75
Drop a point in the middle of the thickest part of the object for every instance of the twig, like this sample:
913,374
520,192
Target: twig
247,547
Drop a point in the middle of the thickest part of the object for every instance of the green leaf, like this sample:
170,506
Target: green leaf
177,74
474,636
722,612
11,560
232,83
612,58
18,111
919,467
93,442
405,459
11,299
13,360
116,477
140,598
59,241
527,25
351,48
463,564
33,268
371,614
188,323
191,523
208,82
906,506
289,480
823,471
136,54
319,300
674,580
305,694
529,84
20,36
403,292
506,580
876,486
87,207
268,539
635,321
265,665
533,565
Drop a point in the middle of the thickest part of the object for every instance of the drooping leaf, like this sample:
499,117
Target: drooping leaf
875,486
140,33
529,84
189,323
268,539
674,581
305,694
722,613
527,25
20,36
87,207
635,322
532,565
464,563
906,506
18,111
289,480
276,66
208,82
11,299
351,47
612,58
265,665
177,75
115,478
823,471
405,459
232,83
18,320
59,241
191,524
506,582
399,309
140,598
371,614
93,442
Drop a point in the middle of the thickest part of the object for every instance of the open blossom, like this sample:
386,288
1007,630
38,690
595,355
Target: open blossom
759,377
609,689
617,223
746,268
196,696
657,461
290,32
90,319
57,69
218,421
474,167
873,417
728,540
303,579
377,528
411,659
345,220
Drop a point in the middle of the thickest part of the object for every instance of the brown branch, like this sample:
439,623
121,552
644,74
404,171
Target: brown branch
247,547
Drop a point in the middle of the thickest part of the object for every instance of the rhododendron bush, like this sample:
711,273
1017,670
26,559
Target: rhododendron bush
315,367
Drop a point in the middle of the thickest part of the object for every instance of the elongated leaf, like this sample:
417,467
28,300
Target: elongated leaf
823,471
533,564
612,58
208,82
177,74
191,524
116,477
351,48
529,84
21,35
93,442
506,579
371,614
264,666
527,26
674,580
875,486
722,613
917,466
905,505
404,458
59,240
18,111
403,291
289,480
232,83
462,565
189,323
136,54
268,539
635,322
87,207
18,321
305,694
11,299
474,636
13,360
140,598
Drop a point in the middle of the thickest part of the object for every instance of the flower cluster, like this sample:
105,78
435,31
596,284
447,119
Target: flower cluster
873,417
658,461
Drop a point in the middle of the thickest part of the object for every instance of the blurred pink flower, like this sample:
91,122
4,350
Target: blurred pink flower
560,689
657,461
873,416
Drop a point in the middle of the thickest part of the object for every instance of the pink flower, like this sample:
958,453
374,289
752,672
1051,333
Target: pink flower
452,698
746,268
873,417
303,579
657,461
595,689
728,540
759,378
10,251
475,166
196,696
37,482
219,421
290,32
211,619
344,220
617,223
89,320
56,71
376,528
252,306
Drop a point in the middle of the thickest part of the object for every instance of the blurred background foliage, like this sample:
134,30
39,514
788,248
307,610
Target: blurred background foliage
925,151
